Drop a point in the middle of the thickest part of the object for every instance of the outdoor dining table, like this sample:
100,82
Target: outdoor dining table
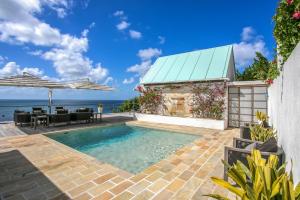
44,119
95,116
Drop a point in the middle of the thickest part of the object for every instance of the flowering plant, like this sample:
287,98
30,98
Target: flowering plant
287,26
150,100
208,101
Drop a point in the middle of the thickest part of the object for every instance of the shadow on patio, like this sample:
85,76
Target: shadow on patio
20,179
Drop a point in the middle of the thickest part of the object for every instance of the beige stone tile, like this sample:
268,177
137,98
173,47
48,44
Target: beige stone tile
186,175
170,176
121,187
84,187
138,177
137,188
104,196
158,185
117,179
156,175
163,195
104,178
175,185
95,191
145,195
84,196
124,196
150,170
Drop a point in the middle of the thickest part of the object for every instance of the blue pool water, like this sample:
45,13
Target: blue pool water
127,147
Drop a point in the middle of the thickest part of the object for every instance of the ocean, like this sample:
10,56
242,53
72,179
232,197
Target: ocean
7,107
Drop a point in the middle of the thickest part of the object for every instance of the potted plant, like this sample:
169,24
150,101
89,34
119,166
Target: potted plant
100,108
245,131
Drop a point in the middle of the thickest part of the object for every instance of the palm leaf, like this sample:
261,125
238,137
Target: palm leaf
228,186
216,196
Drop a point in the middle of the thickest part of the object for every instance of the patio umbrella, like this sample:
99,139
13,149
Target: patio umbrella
29,80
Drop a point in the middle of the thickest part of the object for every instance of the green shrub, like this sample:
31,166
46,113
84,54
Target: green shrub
130,105
262,180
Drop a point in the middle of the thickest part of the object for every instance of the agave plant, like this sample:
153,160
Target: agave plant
260,133
261,180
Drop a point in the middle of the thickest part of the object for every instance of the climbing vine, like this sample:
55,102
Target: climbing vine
287,27
151,100
208,101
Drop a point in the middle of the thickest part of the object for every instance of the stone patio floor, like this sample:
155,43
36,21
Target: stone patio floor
36,167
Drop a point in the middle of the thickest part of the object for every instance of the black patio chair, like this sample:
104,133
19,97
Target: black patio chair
243,147
36,111
83,114
60,116
22,117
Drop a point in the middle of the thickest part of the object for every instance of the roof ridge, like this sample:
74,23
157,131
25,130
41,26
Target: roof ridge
176,54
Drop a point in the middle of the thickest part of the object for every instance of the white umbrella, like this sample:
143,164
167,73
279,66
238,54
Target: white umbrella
29,80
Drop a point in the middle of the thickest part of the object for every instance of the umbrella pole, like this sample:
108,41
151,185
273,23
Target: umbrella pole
50,100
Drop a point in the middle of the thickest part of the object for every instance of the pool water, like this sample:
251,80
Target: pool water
129,148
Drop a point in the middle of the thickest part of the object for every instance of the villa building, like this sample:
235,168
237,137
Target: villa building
178,77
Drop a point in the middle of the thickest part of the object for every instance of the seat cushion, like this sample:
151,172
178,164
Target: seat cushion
268,146
62,111
251,146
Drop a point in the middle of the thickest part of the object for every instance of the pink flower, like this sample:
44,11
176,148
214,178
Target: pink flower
296,15
269,81
289,2
139,88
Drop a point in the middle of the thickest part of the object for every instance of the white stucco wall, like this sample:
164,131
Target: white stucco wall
182,121
284,110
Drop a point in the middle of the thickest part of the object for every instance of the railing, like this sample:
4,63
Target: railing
7,111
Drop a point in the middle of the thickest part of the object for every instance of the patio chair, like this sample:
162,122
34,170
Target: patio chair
59,108
83,114
21,117
243,147
38,111
60,116
245,132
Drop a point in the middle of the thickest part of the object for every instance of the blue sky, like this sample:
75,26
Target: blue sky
115,41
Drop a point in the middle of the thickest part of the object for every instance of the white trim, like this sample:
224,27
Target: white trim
244,83
183,121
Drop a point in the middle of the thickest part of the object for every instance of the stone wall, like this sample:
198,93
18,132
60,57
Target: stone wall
181,93
284,110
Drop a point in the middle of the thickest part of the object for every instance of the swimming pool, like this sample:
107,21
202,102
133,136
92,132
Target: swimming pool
129,148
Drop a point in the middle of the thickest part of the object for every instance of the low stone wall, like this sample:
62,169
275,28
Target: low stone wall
284,110
183,121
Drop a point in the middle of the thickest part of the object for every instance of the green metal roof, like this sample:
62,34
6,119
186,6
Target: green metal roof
207,64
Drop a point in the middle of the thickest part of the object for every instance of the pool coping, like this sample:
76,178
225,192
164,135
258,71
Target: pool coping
116,124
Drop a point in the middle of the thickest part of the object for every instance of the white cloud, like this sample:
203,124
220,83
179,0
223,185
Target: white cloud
140,68
146,56
92,25
12,68
108,80
128,81
248,33
122,25
244,51
36,52
66,51
2,59
135,34
119,13
161,39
